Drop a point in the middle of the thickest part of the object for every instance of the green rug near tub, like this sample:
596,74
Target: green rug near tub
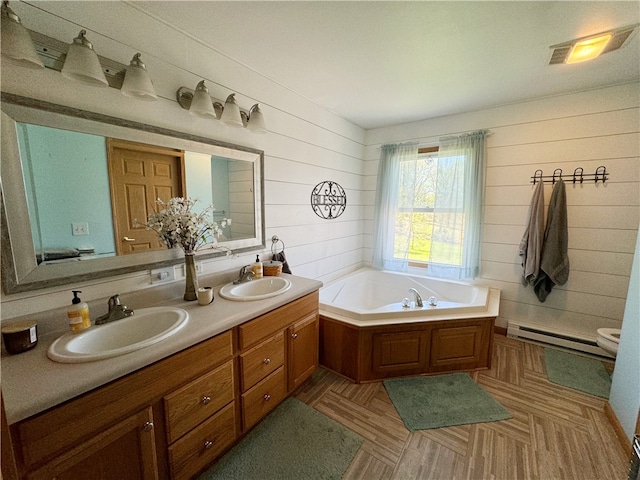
442,401
575,371
293,441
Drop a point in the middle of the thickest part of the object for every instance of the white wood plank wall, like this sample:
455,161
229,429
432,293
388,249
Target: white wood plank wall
588,129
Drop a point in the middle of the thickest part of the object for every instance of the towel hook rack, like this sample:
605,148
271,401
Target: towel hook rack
601,170
600,175
575,172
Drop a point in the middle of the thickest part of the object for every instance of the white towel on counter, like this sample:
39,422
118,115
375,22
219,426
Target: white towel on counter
531,244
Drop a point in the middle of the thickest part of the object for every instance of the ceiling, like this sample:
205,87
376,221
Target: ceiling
377,64
386,63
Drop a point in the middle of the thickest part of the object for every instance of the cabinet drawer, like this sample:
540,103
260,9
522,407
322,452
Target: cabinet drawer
201,446
250,333
262,398
261,360
188,406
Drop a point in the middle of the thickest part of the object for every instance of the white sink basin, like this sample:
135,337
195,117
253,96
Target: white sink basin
266,287
145,327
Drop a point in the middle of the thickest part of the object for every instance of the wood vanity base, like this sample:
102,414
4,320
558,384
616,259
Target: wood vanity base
365,354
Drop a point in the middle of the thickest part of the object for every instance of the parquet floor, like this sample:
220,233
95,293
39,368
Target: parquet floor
554,432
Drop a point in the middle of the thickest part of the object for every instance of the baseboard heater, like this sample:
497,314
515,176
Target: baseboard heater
547,336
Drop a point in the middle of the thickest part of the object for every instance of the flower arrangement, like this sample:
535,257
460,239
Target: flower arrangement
179,226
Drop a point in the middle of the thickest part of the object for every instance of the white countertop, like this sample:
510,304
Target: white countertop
31,382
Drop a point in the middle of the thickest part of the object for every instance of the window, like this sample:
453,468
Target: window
429,207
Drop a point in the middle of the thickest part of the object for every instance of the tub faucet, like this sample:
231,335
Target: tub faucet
117,311
244,276
417,297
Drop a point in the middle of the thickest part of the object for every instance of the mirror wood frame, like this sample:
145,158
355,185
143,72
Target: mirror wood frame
20,271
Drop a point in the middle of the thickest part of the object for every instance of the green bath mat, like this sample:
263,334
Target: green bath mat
442,401
293,441
575,371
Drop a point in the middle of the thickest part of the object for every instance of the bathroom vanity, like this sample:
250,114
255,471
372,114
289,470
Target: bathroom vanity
173,417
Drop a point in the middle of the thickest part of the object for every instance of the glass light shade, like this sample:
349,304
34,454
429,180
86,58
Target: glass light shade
201,103
588,49
82,63
137,82
231,113
16,42
256,120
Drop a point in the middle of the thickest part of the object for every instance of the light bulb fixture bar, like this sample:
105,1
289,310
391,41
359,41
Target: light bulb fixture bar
251,119
53,53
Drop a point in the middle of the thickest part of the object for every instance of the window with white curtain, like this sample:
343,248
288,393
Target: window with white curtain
429,207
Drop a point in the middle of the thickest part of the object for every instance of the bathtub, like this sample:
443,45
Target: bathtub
374,297
367,335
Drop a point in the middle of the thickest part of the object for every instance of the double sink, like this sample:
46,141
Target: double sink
149,326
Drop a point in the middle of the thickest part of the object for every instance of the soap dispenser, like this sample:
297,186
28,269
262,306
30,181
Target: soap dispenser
257,268
78,314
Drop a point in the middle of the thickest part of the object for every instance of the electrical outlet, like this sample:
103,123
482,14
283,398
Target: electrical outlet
80,228
163,275
198,267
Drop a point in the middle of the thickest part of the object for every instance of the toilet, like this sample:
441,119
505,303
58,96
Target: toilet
608,340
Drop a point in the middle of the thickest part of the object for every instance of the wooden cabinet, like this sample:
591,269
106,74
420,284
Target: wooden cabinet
208,399
364,354
270,367
173,418
126,450
302,339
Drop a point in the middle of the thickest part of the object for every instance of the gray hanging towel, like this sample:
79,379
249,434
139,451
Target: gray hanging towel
280,257
554,265
530,248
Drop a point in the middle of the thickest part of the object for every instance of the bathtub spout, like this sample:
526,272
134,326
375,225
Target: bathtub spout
417,296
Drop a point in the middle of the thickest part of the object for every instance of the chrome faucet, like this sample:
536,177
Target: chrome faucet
245,275
117,311
417,297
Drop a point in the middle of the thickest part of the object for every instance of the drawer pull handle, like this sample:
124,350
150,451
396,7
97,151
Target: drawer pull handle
148,426
294,335
267,397
266,361
206,400
208,444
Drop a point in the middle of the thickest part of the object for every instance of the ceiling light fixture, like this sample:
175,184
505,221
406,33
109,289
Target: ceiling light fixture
137,82
229,113
16,42
82,63
588,48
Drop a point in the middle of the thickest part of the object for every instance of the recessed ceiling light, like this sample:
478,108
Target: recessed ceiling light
587,48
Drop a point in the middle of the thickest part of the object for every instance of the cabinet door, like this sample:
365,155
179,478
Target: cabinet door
459,347
303,350
401,353
126,450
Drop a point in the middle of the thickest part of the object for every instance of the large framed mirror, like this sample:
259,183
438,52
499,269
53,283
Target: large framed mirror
65,209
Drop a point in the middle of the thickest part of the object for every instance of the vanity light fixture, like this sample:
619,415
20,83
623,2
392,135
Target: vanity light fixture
201,104
255,120
137,82
82,63
16,42
588,48
229,113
